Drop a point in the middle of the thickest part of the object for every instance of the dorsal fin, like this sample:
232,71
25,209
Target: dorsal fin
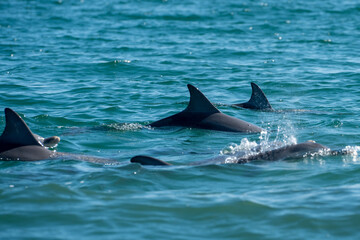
146,160
199,103
257,100
16,131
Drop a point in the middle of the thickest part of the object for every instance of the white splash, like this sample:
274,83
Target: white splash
125,126
351,152
268,140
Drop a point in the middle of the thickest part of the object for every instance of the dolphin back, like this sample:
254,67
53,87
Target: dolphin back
294,151
146,160
201,113
283,153
199,107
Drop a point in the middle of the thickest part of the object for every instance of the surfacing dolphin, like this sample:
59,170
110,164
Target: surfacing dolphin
201,113
18,143
258,100
49,141
294,151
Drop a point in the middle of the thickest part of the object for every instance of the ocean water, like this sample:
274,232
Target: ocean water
96,73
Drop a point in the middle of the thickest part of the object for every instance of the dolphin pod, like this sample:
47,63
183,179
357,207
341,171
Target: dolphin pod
18,143
298,150
201,113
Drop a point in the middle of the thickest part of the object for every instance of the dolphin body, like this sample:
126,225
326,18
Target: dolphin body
201,113
258,100
283,153
18,143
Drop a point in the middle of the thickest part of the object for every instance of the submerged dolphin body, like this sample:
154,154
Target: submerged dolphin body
18,143
201,113
258,100
287,152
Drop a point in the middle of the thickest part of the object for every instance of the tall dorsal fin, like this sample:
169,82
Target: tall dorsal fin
16,131
199,103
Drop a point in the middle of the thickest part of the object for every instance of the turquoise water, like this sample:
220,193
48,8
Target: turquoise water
96,72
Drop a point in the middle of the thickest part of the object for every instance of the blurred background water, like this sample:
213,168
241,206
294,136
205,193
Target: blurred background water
96,72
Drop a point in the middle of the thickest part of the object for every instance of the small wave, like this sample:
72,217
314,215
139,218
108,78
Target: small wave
124,126
114,63
69,131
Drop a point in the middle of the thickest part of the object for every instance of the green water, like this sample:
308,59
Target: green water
96,72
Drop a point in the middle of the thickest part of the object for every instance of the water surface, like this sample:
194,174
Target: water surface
96,72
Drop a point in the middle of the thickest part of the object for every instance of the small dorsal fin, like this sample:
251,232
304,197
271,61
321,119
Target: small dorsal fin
16,131
199,103
257,100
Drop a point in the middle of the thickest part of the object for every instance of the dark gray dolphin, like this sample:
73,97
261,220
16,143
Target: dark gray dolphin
18,143
258,100
201,113
287,152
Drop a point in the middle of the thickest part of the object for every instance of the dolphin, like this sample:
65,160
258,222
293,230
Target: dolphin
49,141
201,113
258,100
18,143
293,151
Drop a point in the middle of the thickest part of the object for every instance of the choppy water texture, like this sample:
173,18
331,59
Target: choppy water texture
96,72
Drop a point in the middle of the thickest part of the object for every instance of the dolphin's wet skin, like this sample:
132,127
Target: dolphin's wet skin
201,113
